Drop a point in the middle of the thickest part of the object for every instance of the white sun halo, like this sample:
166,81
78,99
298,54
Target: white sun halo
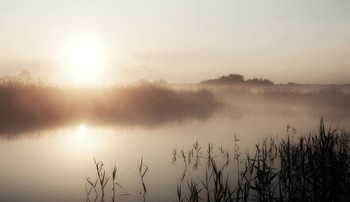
84,56
84,60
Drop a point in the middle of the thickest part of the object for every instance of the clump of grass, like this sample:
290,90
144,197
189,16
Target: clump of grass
317,167
102,179
215,187
312,168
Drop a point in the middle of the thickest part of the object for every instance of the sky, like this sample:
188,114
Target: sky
179,41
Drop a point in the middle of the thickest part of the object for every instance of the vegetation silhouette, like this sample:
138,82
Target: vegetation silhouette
311,168
304,168
28,106
238,80
103,180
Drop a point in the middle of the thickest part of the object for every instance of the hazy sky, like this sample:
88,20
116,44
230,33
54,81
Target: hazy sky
306,41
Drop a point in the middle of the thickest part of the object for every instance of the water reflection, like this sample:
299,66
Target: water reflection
27,107
13,130
234,110
57,163
82,130
28,110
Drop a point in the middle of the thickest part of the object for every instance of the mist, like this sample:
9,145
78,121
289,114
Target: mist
29,105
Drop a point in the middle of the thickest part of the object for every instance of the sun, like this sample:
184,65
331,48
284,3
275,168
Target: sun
84,60
84,55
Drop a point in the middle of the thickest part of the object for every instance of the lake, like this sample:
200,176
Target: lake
51,164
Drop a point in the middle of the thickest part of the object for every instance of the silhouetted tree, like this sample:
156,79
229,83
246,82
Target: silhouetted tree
230,79
237,79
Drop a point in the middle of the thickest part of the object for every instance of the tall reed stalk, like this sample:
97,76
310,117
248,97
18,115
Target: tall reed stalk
142,172
311,168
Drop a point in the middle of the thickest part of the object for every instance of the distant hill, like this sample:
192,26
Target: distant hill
232,79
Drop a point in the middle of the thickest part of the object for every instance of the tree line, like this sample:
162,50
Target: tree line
237,79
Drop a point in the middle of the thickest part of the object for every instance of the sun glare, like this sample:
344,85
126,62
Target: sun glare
84,56
84,60
82,130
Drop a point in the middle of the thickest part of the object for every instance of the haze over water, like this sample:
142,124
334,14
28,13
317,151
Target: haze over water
50,162
121,81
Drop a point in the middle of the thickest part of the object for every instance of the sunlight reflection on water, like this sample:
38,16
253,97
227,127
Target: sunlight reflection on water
58,161
82,130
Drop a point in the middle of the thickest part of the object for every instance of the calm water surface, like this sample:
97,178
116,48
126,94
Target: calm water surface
51,165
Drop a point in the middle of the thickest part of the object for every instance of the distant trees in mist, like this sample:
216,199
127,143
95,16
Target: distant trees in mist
237,79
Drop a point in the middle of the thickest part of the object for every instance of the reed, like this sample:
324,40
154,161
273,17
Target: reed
26,107
114,175
142,170
308,168
311,168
